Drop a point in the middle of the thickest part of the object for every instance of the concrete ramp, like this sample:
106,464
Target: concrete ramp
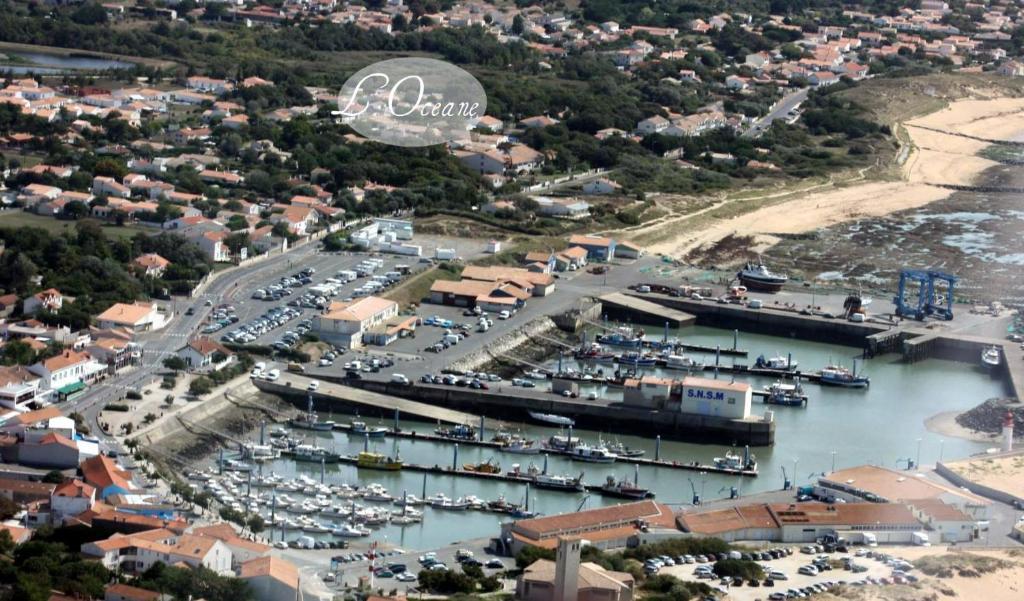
645,310
293,385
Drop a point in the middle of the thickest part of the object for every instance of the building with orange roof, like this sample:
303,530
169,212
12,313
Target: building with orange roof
71,498
344,322
242,550
151,264
107,477
124,592
270,578
49,300
136,553
599,248
880,484
137,317
53,451
202,351
18,534
606,527
538,284
67,373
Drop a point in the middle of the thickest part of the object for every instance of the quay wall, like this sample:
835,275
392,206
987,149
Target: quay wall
587,414
770,322
506,343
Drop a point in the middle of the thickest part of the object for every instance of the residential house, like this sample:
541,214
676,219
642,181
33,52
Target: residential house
53,451
569,208
124,592
270,578
108,478
625,249
108,186
71,498
20,389
114,349
598,247
67,373
204,352
136,553
135,317
652,125
50,299
152,264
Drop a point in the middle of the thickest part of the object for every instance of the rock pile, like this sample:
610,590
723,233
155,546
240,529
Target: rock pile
988,417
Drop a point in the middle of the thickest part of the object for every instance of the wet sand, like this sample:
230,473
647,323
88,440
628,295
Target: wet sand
945,424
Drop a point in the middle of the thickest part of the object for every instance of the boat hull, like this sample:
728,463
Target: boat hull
635,495
759,285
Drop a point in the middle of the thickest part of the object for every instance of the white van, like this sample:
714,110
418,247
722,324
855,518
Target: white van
399,379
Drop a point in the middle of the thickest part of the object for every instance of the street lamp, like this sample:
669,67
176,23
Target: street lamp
833,462
918,463
941,442
795,477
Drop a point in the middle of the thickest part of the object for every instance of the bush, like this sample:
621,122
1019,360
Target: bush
678,546
447,582
529,555
168,383
116,407
200,386
662,587
134,395
747,570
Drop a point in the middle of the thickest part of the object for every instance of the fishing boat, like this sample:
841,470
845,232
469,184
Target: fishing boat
440,501
377,461
551,418
783,393
757,276
837,375
776,362
457,432
622,450
562,483
735,462
596,353
310,421
361,429
311,453
589,454
991,357
521,446
623,489
279,432
536,374
558,442
623,337
260,452
682,362
500,505
487,467
636,359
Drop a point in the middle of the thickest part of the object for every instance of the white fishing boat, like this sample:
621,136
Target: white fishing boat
589,454
409,501
776,362
351,531
521,446
991,357
682,362
377,493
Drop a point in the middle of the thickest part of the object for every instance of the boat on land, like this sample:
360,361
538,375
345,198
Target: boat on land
551,418
991,357
623,489
378,461
757,276
837,375
361,429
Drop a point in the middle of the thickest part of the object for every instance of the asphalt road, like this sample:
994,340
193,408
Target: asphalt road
783,106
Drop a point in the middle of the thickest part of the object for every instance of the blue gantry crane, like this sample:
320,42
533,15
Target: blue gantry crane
931,300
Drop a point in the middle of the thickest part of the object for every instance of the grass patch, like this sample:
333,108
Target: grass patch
416,288
56,226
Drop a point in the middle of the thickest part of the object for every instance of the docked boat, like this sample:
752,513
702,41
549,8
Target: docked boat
487,467
311,453
783,393
991,357
757,276
310,421
551,418
457,432
563,483
501,505
279,432
589,454
377,493
595,353
409,501
259,452
558,442
521,446
621,450
682,362
735,462
536,374
361,429
377,461
837,375
440,501
636,359
623,337
776,362
623,489
351,531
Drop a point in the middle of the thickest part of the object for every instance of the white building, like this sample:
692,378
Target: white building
344,323
19,388
67,372
136,317
718,398
71,498
203,352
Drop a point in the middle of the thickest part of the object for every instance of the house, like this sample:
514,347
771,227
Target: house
545,580
136,317
53,451
537,122
204,352
270,578
106,477
212,243
108,186
223,178
136,553
242,550
113,349
822,78
345,322
625,249
49,300
652,125
67,373
151,264
598,248
491,124
568,208
7,304
537,284
1011,69
71,498
24,492
208,84
736,83
570,259
601,185
124,592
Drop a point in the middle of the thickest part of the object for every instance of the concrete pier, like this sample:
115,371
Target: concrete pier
640,310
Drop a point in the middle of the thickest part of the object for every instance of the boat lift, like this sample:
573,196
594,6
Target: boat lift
928,302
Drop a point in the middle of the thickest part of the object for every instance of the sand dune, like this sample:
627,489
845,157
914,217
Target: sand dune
936,158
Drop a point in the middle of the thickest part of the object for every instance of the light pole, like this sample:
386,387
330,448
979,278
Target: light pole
795,477
918,462
702,480
941,442
833,462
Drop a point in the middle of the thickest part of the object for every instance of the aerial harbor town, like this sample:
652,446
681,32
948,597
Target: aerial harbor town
652,300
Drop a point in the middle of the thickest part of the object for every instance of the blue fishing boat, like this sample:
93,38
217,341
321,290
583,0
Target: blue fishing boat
636,359
623,337
837,375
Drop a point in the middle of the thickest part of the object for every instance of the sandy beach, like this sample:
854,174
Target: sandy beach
945,424
936,157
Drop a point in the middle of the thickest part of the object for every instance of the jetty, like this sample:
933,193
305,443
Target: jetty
643,311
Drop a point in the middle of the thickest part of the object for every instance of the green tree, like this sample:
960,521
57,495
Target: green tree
200,386
17,352
175,363
53,477
518,25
